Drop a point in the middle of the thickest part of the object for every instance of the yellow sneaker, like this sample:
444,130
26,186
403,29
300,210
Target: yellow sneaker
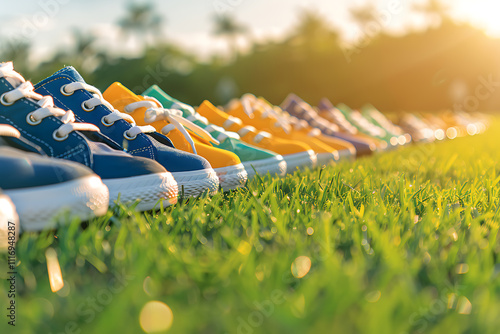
255,115
296,154
295,126
185,135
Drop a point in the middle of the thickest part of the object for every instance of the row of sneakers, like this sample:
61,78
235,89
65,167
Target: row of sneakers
429,127
67,146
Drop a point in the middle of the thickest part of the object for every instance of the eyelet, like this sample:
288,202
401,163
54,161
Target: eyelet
85,108
106,123
56,136
128,137
4,101
31,120
64,92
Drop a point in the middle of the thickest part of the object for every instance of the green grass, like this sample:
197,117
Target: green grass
402,242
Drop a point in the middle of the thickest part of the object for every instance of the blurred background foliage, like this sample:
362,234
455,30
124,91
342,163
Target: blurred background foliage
438,68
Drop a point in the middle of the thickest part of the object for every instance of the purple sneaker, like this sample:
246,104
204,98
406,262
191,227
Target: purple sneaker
297,107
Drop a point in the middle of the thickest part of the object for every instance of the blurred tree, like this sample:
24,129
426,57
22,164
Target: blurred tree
313,32
363,15
84,53
226,26
415,71
19,52
435,11
141,22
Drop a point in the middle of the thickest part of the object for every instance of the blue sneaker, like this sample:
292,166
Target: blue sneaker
42,188
193,173
55,132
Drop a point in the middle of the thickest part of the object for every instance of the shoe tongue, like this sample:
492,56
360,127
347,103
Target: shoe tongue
71,73
9,131
118,92
8,66
169,102
325,104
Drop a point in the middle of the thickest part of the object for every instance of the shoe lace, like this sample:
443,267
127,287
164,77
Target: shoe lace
259,136
156,112
111,118
366,125
339,119
250,104
25,89
211,128
290,122
9,131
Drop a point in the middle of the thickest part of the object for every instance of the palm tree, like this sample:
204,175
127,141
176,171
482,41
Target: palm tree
435,10
226,26
141,22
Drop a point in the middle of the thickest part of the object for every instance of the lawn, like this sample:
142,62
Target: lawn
401,242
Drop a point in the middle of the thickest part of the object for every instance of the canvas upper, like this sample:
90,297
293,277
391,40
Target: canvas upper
138,142
227,141
121,97
297,107
18,157
89,147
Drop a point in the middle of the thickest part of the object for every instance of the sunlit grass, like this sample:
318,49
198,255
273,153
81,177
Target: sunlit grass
402,242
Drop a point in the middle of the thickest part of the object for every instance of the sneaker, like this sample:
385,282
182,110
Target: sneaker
9,223
297,155
436,124
44,188
418,129
332,114
193,174
295,127
55,132
364,126
373,115
255,160
265,120
227,167
298,108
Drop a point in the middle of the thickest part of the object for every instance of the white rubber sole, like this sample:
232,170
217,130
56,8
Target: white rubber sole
149,190
274,166
232,177
9,223
39,207
307,159
195,183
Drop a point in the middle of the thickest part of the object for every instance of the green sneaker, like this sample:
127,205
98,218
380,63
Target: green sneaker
366,127
374,116
255,160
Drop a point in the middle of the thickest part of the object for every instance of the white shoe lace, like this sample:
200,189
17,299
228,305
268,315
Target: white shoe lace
111,118
287,120
251,103
247,129
338,118
9,131
194,116
362,122
25,89
156,112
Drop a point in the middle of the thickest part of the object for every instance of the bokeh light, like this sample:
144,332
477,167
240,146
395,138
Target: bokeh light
301,266
156,317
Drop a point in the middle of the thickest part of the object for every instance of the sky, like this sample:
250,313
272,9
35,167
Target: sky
48,24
